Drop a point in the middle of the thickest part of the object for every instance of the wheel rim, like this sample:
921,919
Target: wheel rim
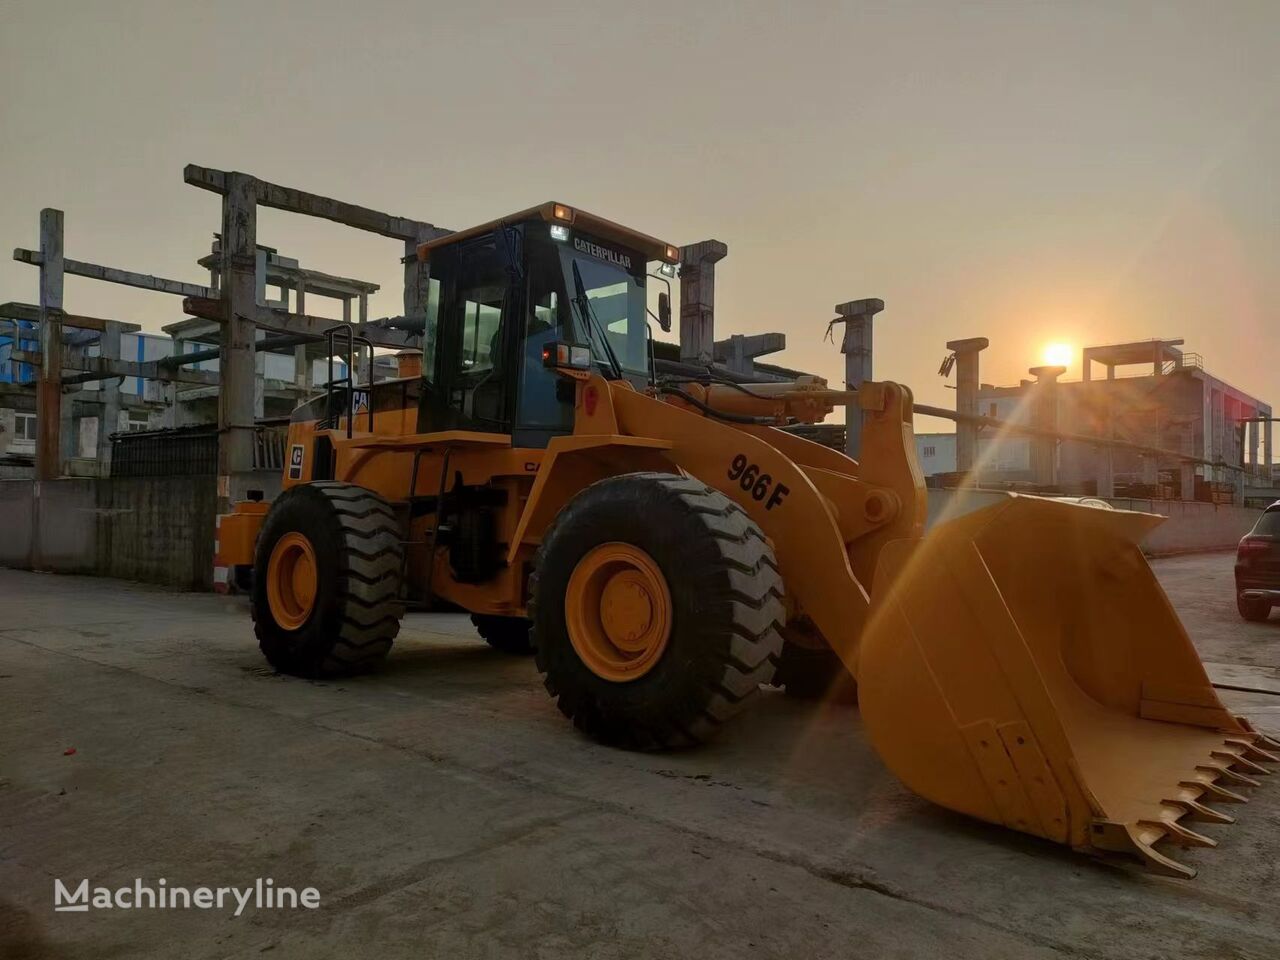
292,580
618,611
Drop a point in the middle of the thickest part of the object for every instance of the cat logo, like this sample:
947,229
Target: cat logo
296,454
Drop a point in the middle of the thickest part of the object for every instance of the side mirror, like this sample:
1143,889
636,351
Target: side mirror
664,312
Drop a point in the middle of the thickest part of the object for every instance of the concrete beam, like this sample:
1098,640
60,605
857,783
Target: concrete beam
739,351
128,278
312,205
102,368
279,273
30,313
296,324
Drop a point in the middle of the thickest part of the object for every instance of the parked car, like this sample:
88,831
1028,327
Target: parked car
1258,567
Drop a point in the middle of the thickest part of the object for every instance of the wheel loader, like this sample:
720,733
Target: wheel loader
664,548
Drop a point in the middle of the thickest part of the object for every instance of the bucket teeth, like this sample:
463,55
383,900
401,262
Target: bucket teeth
1261,739
1229,774
1253,752
1215,791
1179,834
1236,760
1198,811
1271,743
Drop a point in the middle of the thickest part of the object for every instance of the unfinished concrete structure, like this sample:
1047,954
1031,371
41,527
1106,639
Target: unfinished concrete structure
1171,431
235,301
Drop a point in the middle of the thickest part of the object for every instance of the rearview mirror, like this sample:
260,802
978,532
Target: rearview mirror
664,312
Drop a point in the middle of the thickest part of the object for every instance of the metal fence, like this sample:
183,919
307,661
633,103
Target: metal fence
187,452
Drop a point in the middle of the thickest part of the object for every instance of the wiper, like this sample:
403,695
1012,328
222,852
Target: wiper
588,314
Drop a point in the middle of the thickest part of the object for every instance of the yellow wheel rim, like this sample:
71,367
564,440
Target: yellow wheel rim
618,611
292,580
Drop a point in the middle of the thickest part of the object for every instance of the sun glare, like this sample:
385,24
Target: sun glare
1057,354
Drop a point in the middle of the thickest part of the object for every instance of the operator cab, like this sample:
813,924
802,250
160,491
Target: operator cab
501,293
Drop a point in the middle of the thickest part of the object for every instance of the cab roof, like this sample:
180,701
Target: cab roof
552,212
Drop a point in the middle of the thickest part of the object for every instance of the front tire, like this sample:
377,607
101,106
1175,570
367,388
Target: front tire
656,605
326,584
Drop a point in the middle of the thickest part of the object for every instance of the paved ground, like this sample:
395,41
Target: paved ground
443,808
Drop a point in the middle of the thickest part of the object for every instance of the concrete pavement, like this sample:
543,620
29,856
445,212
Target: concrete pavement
443,807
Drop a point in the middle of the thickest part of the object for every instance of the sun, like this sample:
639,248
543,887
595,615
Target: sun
1058,354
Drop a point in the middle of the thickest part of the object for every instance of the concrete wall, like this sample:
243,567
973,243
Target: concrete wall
154,529
1191,526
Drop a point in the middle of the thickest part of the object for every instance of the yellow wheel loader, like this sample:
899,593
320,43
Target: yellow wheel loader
662,547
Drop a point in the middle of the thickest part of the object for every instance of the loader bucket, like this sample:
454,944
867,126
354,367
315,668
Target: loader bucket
1023,666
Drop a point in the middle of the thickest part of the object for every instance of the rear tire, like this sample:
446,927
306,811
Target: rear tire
725,610
356,542
507,634
1254,609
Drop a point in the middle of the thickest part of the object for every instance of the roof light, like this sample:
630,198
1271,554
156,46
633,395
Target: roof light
672,254
560,212
559,232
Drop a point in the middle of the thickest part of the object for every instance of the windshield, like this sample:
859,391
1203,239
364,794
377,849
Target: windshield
1268,525
616,299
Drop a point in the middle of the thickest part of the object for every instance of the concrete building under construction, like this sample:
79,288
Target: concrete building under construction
1180,432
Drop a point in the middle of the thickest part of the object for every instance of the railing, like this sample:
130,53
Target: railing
1188,361
350,380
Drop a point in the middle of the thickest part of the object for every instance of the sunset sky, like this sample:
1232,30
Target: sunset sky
1033,173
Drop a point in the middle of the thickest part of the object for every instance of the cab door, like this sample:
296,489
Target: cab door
544,408
473,387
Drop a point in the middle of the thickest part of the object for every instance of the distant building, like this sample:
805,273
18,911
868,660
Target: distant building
1173,405
936,453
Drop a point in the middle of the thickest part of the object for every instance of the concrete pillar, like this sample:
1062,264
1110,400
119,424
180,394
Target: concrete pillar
49,385
1254,437
697,300
1106,478
1105,475
239,294
1266,447
1219,413
417,290
1044,416
1187,480
966,352
109,392
68,433
857,349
